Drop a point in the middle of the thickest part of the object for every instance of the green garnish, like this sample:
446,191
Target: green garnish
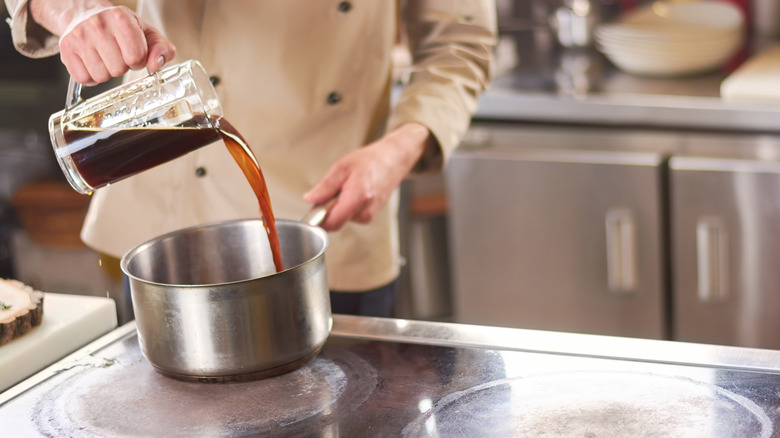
4,306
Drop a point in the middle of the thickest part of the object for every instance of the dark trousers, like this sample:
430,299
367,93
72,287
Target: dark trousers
375,302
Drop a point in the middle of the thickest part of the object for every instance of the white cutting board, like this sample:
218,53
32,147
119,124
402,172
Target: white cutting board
757,80
69,322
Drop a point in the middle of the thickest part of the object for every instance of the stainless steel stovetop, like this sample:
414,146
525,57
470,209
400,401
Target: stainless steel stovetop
390,377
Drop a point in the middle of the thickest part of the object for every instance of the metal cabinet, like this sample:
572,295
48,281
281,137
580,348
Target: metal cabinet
559,229
643,233
725,222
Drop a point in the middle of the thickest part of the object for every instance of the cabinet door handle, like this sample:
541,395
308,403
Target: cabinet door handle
621,251
712,259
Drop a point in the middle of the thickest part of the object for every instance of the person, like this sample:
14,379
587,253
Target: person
309,85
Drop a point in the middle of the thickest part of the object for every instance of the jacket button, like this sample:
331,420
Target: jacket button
345,6
334,98
214,80
200,171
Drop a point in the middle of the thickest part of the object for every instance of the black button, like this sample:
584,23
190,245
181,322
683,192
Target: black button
345,6
214,80
334,98
200,171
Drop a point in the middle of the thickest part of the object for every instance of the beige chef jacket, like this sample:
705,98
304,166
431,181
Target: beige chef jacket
305,82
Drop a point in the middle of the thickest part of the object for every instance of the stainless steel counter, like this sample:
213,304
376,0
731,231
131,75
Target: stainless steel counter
581,86
391,377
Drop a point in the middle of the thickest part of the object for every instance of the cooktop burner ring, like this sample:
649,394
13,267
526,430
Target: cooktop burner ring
595,403
131,398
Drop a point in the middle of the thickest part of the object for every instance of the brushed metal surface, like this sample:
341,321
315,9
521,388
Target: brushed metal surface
393,377
725,279
539,89
529,241
209,304
458,335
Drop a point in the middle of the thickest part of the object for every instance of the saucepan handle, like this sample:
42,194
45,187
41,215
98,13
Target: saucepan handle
319,212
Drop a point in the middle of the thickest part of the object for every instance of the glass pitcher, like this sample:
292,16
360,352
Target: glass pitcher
135,126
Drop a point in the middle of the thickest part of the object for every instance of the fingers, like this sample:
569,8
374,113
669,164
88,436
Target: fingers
108,43
328,186
110,55
95,65
76,69
343,211
160,49
131,40
356,199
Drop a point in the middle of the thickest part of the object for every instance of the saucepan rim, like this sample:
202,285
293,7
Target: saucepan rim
128,256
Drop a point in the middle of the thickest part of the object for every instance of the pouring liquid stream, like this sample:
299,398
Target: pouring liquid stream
239,149
110,156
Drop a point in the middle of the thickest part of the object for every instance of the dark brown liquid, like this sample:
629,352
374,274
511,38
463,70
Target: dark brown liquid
111,155
239,149
107,156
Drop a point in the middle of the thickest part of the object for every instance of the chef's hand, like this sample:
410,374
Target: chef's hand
99,41
365,178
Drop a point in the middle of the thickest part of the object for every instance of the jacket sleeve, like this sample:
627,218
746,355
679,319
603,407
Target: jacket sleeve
451,43
29,38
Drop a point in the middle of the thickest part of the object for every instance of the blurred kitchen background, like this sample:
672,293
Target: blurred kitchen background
40,215
621,177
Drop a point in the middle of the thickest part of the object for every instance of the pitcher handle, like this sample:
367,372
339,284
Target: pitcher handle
74,93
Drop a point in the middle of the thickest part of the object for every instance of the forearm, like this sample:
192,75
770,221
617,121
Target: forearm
451,46
55,16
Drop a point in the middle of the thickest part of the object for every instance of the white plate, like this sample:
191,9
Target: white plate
683,36
714,15
663,66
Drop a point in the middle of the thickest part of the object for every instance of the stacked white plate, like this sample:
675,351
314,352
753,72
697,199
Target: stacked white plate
672,39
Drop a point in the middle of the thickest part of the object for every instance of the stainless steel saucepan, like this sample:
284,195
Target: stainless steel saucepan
210,306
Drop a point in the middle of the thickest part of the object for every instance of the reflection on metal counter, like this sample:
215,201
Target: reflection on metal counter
575,22
390,377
